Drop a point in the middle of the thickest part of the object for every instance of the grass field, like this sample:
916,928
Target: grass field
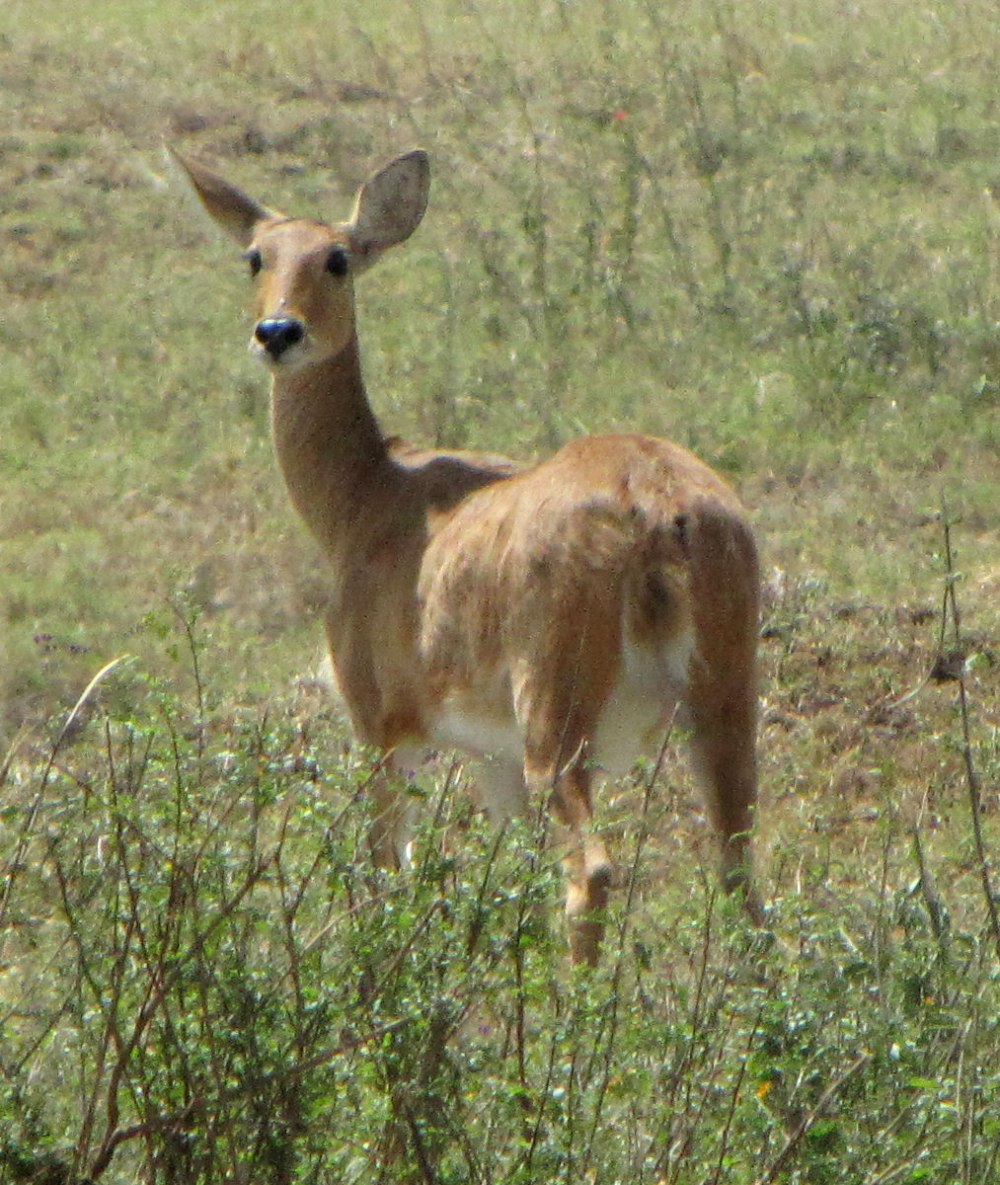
770,231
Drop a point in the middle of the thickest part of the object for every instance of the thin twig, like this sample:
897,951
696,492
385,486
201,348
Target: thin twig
174,1119
16,862
633,877
936,909
160,985
799,1134
971,776
735,1094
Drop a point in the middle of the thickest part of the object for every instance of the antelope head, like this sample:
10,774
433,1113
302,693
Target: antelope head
303,269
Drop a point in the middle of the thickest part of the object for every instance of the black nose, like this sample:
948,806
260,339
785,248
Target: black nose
276,334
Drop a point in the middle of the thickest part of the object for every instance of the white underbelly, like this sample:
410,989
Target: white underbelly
629,729
460,725
633,722
643,706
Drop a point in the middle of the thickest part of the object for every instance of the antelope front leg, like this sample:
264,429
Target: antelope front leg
391,829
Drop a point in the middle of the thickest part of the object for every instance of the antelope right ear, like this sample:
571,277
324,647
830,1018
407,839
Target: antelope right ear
390,206
236,212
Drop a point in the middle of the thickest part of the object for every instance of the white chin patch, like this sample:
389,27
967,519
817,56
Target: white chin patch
291,359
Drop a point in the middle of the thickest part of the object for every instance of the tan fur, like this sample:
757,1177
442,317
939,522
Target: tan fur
549,619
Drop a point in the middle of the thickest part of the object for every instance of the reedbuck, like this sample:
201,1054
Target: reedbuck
547,620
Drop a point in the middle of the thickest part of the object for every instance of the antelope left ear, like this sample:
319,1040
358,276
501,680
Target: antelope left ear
389,208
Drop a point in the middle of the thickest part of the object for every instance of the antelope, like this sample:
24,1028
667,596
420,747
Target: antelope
547,620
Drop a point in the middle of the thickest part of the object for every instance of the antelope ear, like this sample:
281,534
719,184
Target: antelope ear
390,206
232,209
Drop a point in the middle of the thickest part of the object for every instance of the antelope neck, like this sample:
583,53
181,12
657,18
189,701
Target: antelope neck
328,441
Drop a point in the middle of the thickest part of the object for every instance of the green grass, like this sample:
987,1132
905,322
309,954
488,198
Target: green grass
201,978
769,231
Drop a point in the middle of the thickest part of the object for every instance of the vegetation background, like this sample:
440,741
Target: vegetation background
769,230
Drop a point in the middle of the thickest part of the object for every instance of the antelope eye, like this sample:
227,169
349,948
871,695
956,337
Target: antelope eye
337,263
254,260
